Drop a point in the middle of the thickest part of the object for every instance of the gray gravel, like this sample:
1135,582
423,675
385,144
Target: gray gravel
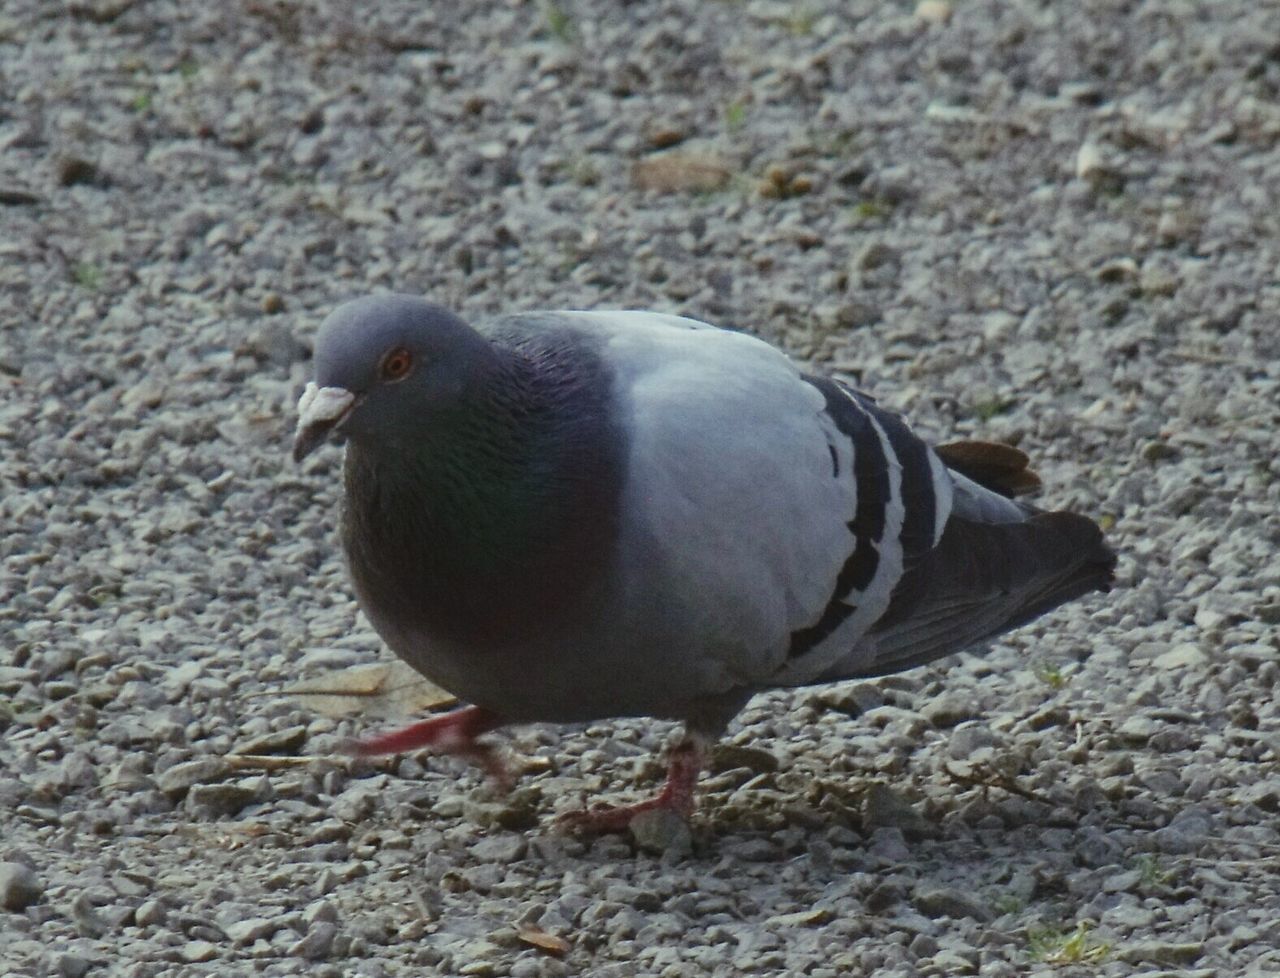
1050,223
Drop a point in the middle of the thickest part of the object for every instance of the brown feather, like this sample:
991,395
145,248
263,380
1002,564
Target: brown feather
1000,468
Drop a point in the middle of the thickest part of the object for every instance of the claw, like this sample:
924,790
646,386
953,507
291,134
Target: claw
449,733
677,795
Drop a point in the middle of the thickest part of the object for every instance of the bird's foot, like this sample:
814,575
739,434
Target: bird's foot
677,796
449,733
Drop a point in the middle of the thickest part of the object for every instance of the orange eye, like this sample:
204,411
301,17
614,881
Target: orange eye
397,364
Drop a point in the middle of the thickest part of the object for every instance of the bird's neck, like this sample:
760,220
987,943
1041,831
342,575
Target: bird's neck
494,519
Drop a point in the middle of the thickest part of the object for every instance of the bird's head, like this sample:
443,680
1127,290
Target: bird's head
387,366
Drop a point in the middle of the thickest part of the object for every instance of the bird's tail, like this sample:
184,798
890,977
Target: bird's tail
984,579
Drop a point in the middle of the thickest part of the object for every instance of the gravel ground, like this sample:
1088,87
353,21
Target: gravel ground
1050,223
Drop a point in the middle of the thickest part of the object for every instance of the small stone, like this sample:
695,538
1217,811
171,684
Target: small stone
276,344
664,135
251,929
1158,451
660,830
1181,656
1089,161
633,896
197,952
73,966
948,902
321,910
726,757
1137,730
947,711
19,886
948,962
73,170
1268,613
316,944
1161,952
1097,849
803,918
17,197
923,946
147,393
1122,882
1175,225
755,851
149,912
506,848
882,807
875,255
1118,270
179,779
1050,716
933,11
884,895
516,811
287,741
217,800
272,303
889,845
852,700
970,738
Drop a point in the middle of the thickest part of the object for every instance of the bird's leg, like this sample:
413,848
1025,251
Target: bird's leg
685,763
449,733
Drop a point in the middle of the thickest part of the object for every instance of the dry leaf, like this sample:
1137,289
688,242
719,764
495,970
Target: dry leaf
543,941
675,172
383,691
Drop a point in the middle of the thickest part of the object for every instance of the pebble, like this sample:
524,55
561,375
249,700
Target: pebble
198,952
947,711
73,965
889,845
1137,729
506,848
218,800
251,929
1181,656
19,886
1161,952
885,808
662,831
149,913
949,902
176,781
315,945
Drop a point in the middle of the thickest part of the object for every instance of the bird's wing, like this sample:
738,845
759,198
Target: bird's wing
767,516
783,529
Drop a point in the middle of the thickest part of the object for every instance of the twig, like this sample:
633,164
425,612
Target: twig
270,762
998,781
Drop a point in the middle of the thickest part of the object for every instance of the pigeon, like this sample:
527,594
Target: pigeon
570,516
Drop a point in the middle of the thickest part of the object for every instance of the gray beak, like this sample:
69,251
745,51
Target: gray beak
320,411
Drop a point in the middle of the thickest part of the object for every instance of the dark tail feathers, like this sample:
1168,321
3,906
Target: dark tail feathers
983,580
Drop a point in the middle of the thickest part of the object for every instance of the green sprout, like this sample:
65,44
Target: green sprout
1050,674
1052,945
87,275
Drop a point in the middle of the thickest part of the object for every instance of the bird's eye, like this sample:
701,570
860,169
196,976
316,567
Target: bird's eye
397,364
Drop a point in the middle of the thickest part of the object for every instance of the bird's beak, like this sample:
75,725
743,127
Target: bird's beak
320,411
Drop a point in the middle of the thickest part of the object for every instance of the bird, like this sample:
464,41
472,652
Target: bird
570,516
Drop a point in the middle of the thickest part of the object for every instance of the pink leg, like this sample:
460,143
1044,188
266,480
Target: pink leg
683,767
449,733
